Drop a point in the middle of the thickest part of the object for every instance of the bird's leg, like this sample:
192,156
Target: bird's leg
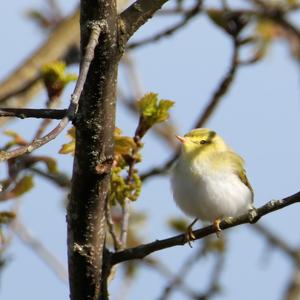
216,226
189,236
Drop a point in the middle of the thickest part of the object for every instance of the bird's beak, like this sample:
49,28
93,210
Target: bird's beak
181,138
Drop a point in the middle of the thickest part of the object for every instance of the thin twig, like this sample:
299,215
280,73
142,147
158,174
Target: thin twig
85,64
129,179
125,222
251,217
111,228
42,113
38,248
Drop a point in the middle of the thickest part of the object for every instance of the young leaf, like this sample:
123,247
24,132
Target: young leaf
152,111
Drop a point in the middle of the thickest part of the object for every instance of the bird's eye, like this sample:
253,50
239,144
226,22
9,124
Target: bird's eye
202,142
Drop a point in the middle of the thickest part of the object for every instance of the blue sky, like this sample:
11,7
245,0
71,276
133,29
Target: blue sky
259,118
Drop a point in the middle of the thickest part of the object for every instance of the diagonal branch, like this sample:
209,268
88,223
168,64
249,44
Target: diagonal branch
251,217
132,18
190,14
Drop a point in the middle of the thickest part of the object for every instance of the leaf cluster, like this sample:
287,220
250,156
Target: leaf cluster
121,188
152,111
125,181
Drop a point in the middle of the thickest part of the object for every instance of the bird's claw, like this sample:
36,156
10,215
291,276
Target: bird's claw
217,228
189,235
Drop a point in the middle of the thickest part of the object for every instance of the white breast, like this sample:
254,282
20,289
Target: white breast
208,195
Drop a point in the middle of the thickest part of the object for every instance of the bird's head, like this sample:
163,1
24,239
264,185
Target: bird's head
201,141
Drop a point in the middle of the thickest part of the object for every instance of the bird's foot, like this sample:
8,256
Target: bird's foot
189,235
217,228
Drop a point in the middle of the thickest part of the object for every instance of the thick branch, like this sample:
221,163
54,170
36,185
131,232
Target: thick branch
132,18
23,113
251,217
190,14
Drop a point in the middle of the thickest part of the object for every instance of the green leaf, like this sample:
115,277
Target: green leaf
162,113
147,104
152,111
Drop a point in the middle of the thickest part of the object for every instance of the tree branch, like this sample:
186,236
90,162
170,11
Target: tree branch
23,113
132,18
188,15
251,217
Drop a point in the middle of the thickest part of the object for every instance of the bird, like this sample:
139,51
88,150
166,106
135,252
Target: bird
209,180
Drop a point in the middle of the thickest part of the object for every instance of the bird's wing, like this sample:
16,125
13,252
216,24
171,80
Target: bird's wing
238,166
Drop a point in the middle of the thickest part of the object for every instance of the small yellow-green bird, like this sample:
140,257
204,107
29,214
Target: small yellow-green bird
209,181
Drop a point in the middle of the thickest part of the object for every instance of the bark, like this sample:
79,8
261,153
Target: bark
93,155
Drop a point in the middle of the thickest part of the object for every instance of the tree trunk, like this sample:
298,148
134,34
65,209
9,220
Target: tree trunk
95,123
